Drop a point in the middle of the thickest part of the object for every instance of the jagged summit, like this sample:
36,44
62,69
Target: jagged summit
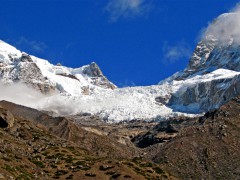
215,63
218,48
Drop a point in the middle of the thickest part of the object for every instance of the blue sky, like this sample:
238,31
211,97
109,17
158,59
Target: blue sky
135,42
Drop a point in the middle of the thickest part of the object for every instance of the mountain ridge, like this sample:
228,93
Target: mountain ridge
210,80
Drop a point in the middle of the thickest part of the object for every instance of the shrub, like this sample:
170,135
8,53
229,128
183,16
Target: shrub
39,164
158,170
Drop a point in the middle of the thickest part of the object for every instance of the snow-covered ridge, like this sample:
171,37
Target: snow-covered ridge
19,66
74,82
84,89
211,79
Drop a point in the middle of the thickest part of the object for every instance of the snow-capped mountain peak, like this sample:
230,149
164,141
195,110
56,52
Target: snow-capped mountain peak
218,48
17,66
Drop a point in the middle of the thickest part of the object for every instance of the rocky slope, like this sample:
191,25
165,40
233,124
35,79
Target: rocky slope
67,129
34,145
197,148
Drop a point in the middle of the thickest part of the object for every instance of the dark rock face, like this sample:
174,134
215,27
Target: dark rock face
210,55
200,56
93,70
205,96
68,75
162,99
161,133
98,79
207,149
6,118
29,73
26,58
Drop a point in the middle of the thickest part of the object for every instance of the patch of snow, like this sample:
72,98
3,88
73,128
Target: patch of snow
6,51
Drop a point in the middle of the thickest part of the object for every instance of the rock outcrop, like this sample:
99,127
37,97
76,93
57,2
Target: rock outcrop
95,73
205,96
6,118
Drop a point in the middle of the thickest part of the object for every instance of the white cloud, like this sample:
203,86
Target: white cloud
226,27
19,93
127,8
31,45
173,53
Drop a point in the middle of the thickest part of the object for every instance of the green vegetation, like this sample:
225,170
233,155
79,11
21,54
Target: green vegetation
39,164
8,168
158,170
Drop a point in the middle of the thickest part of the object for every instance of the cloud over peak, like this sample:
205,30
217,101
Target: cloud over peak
126,8
226,27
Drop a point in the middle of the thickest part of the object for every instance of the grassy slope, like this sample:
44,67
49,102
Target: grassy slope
30,151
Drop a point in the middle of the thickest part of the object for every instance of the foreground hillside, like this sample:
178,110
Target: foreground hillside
180,148
199,148
30,148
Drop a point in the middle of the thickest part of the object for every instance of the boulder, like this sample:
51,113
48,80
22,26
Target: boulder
6,118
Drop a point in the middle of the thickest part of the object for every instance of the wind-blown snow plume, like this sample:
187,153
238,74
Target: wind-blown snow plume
226,27
20,94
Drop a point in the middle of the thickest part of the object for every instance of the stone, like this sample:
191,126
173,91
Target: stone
1,176
64,145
